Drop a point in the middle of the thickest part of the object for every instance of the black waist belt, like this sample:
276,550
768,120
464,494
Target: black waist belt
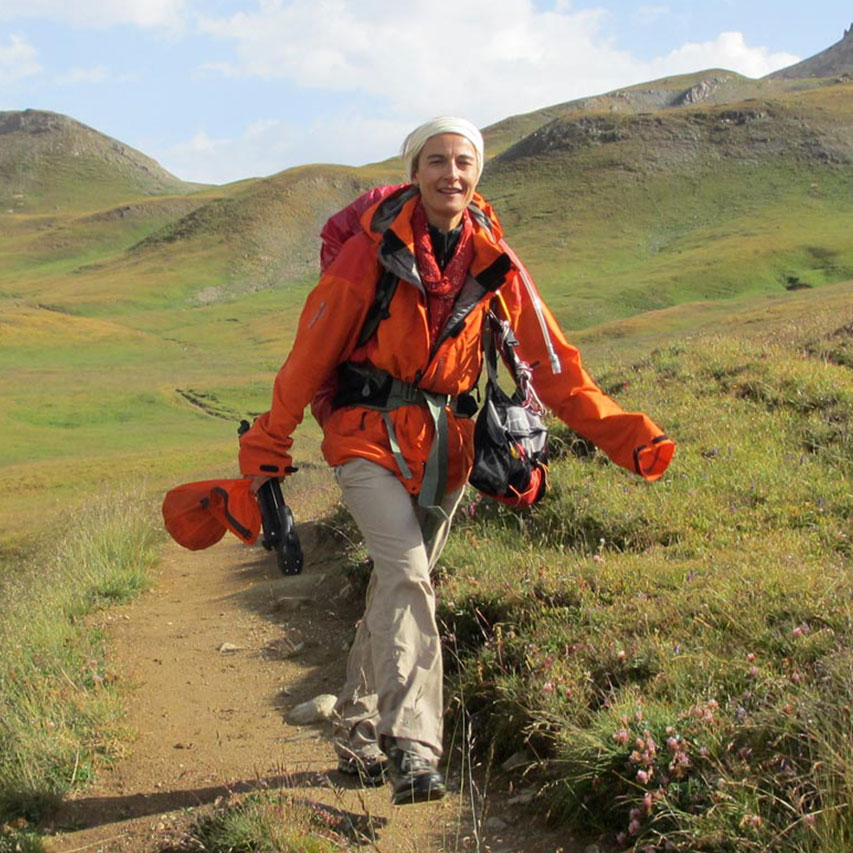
372,388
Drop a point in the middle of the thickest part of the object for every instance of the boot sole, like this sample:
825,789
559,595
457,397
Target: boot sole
412,796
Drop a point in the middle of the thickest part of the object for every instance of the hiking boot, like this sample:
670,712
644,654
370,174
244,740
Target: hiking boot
370,770
414,779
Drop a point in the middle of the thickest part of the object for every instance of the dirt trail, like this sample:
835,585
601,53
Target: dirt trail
209,722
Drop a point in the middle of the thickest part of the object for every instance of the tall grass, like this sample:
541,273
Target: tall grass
676,658
58,707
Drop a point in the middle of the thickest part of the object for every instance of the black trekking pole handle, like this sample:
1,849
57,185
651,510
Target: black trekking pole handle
277,519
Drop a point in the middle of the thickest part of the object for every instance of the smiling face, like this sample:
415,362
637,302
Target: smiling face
446,174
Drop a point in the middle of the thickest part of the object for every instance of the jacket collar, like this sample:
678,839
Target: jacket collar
389,224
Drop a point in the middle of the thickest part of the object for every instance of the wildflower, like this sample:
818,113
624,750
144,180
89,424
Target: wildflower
642,776
621,737
548,687
634,814
672,743
703,751
809,820
648,802
634,827
622,838
621,655
754,671
796,677
750,657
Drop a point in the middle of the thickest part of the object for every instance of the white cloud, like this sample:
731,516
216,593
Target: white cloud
18,59
271,145
165,14
729,51
426,57
400,63
96,74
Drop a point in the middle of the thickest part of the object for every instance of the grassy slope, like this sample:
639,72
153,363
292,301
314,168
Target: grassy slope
639,212
675,658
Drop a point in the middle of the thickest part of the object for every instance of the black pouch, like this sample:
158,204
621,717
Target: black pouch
510,436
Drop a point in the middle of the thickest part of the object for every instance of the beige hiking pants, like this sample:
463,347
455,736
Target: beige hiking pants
394,671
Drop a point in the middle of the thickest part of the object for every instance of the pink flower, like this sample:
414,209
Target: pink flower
548,687
750,657
621,737
622,838
672,743
621,655
642,776
634,827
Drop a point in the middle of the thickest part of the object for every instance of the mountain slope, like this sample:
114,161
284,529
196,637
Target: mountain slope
51,162
835,61
618,214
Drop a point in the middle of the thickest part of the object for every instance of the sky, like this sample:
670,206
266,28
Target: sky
220,90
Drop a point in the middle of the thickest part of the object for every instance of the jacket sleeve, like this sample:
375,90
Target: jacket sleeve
630,439
325,337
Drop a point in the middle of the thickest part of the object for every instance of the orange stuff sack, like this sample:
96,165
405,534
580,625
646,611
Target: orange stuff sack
198,514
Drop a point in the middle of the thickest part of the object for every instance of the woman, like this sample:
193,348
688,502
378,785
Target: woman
395,429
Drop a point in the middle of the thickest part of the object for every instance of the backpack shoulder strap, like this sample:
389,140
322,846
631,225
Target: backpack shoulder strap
379,310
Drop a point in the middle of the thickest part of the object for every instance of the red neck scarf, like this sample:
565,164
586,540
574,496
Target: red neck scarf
442,288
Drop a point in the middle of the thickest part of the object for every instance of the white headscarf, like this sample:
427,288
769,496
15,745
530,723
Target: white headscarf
416,140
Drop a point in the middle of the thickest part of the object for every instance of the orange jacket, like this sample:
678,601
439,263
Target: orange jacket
328,332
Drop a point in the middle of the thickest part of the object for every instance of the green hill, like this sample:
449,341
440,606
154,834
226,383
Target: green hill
622,213
51,162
